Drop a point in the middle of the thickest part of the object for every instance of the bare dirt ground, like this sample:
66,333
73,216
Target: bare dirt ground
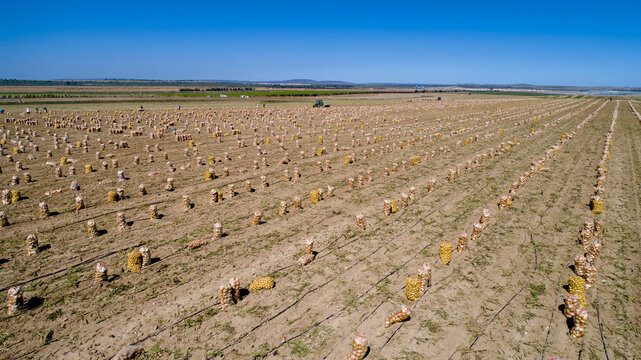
499,298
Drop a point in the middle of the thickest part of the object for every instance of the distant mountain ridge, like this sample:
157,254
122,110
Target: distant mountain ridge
299,82
310,82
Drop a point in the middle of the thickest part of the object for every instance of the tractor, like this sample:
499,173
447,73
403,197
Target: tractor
320,103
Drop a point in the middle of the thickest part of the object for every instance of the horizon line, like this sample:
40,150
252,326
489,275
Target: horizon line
328,82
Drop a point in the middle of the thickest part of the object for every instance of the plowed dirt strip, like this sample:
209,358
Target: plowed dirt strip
186,178
619,260
529,317
468,316
597,340
141,216
389,338
419,247
555,136
368,189
181,283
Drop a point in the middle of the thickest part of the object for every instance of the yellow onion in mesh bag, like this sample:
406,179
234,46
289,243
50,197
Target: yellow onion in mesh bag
261,283
412,288
445,253
314,196
576,285
134,261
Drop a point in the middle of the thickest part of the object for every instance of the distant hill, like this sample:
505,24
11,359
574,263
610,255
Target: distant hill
551,87
333,84
309,82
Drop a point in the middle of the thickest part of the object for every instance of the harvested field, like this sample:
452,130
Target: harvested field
169,268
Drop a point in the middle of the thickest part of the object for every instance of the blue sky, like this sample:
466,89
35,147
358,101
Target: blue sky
536,42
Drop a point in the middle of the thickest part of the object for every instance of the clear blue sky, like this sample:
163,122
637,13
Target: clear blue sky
535,42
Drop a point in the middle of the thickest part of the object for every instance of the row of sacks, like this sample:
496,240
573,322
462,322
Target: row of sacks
585,270
537,165
596,200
